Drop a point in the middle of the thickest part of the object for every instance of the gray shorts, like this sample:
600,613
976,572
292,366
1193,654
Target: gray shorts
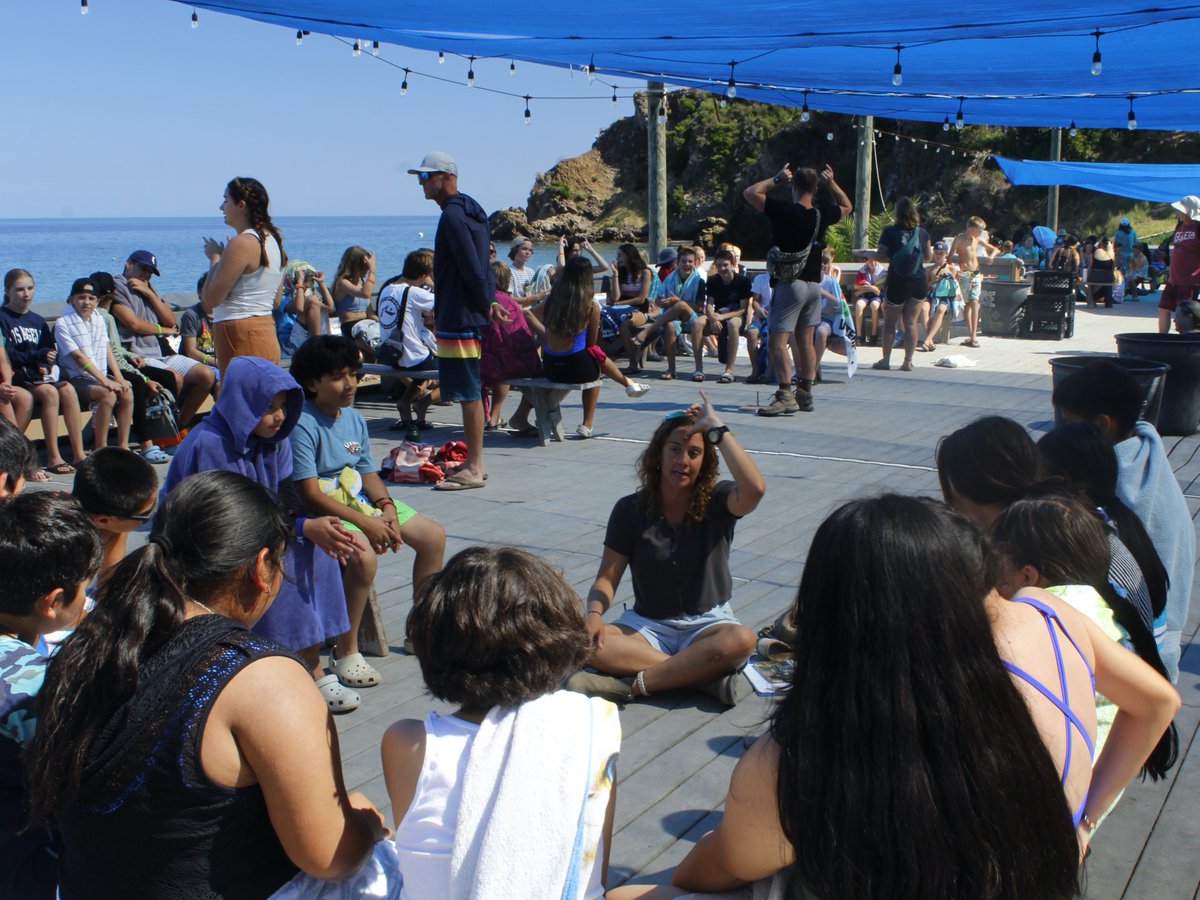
669,636
794,304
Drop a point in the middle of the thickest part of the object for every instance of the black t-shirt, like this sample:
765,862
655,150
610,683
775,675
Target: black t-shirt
893,239
675,571
723,297
792,230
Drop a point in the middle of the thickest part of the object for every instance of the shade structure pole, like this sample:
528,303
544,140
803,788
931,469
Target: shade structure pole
862,180
1052,194
656,161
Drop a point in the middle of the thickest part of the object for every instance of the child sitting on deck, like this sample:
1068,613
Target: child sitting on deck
1111,399
48,552
336,475
495,632
119,490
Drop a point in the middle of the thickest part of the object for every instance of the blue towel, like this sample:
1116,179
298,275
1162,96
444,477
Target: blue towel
1147,485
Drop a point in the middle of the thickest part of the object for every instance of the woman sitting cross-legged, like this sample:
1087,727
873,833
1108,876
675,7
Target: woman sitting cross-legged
674,535
569,322
511,795
935,742
180,754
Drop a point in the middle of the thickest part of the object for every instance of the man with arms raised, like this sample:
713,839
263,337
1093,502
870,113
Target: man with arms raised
798,229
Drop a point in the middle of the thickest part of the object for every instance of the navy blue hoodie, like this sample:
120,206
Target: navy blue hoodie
462,276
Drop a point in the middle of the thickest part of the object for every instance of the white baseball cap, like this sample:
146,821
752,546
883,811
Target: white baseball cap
437,161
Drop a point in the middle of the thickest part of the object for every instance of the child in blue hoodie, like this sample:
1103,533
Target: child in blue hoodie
247,432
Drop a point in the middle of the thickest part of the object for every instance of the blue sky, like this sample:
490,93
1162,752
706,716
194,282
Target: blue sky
128,111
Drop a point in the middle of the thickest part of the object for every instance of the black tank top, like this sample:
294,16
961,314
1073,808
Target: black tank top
148,823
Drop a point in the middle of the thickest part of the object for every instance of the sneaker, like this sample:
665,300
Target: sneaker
636,389
583,432
729,689
594,684
882,365
803,400
783,404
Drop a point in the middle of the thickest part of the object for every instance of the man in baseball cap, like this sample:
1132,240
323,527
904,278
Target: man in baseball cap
146,260
465,305
1183,273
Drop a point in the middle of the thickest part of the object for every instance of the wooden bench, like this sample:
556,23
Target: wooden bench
545,396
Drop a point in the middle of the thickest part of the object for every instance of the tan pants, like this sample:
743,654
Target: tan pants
254,336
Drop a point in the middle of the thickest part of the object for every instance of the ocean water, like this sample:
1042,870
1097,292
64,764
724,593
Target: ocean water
57,251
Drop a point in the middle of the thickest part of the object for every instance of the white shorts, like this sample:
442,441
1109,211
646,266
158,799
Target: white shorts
177,363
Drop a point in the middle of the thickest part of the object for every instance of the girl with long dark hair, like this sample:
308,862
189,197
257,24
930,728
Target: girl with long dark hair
1079,453
179,753
244,277
569,322
912,757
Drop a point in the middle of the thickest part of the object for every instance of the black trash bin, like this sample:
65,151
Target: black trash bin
1148,373
1181,393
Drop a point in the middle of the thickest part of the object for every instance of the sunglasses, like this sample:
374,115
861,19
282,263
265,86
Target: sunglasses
425,176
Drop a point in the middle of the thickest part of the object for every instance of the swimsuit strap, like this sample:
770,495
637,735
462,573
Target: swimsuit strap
1050,618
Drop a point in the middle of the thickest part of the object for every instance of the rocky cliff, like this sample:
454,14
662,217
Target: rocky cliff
713,152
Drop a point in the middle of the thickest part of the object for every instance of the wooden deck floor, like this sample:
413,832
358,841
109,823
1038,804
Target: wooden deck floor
874,433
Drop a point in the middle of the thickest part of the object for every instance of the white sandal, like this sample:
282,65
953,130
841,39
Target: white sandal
338,698
354,671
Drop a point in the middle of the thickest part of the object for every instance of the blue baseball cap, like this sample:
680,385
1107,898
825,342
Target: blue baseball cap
145,258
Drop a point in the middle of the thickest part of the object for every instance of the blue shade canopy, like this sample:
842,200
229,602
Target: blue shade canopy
1018,63
1161,183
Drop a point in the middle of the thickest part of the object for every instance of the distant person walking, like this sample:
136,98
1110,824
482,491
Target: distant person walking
797,231
466,302
1183,272
244,277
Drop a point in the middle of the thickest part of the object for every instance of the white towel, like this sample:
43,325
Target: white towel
533,798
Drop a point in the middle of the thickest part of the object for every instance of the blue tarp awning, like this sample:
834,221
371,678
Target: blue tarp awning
1011,64
1141,181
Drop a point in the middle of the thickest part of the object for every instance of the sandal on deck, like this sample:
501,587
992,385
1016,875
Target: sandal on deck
697,375
727,378
62,468
39,475
667,376
338,698
354,671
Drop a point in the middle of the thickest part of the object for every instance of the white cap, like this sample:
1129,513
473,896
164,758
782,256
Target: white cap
437,161
1189,206
1124,220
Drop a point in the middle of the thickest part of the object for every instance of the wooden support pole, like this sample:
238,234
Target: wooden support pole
1052,194
656,161
862,180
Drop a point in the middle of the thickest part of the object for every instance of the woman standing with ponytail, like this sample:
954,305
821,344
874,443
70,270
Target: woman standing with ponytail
180,754
244,277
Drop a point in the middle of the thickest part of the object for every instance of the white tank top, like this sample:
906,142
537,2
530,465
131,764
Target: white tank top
425,836
254,294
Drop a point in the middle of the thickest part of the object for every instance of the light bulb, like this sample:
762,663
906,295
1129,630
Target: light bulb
1096,65
512,68
731,90
357,51
1132,121
374,48
195,20
441,57
958,121
1073,130
591,72
404,84
804,114
299,37
829,136
722,104
528,116
471,74
897,77
614,96
83,7
946,124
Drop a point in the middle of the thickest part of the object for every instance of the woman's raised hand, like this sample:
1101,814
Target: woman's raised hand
213,249
704,414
